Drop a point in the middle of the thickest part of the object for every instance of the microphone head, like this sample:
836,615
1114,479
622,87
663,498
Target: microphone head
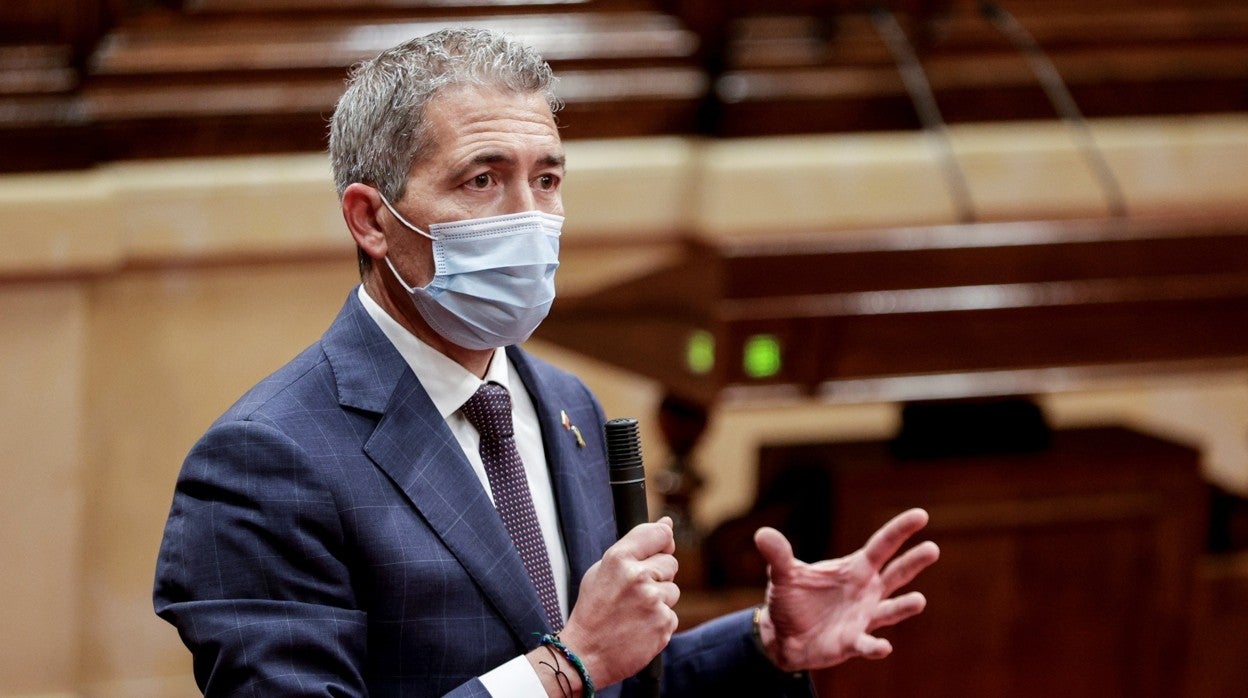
623,443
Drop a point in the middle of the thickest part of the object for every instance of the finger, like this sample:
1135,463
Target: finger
872,647
893,611
667,522
776,550
668,593
661,568
645,540
904,569
885,542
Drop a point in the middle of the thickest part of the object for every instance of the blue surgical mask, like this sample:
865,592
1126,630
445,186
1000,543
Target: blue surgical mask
493,280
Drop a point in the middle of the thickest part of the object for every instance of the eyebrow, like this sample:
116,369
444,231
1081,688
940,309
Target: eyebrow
555,161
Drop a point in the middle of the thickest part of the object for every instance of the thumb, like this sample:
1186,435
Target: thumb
776,550
872,647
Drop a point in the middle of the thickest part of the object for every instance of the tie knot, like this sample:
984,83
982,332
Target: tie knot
489,411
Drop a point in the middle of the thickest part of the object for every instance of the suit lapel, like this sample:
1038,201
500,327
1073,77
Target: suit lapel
416,449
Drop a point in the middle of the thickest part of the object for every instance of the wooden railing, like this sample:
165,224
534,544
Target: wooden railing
929,312
800,74
89,81
244,76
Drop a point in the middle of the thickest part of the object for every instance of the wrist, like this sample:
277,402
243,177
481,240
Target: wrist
769,644
567,672
557,677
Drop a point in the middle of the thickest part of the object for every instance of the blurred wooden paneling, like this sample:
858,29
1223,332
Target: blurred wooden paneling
215,77
803,73
1068,571
1219,628
205,77
41,126
43,46
878,314
268,83
74,23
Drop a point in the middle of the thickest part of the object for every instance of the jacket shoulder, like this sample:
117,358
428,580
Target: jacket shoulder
306,375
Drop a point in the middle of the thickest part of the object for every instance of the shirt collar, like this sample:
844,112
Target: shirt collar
448,384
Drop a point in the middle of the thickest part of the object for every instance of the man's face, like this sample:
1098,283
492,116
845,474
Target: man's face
493,153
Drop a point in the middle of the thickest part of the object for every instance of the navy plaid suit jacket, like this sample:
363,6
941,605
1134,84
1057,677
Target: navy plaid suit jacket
329,538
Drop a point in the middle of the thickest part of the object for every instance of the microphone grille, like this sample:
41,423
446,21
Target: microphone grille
623,443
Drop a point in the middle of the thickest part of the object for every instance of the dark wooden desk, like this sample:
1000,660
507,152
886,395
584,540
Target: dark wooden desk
1064,572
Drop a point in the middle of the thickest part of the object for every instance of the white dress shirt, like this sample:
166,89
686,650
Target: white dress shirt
449,386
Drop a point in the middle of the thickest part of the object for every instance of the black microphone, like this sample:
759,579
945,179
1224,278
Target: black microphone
1059,96
914,78
628,491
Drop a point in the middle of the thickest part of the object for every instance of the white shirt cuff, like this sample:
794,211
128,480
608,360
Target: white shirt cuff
515,679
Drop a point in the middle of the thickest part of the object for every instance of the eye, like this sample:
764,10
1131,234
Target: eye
547,182
481,181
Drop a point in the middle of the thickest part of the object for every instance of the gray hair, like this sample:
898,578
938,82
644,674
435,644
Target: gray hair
378,130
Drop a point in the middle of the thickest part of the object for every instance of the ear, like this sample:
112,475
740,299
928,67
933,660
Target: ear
360,208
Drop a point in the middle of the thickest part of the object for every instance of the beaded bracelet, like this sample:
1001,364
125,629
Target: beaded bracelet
561,679
587,684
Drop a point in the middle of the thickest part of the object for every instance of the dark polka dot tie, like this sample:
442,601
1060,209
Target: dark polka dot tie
489,411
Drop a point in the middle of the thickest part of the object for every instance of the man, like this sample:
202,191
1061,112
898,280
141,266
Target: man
404,509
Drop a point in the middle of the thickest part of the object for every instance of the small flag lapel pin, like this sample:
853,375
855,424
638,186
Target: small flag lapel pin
568,425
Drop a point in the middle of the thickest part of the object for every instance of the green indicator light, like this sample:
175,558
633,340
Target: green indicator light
700,352
761,358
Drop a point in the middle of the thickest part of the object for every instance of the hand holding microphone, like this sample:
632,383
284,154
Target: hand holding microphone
624,618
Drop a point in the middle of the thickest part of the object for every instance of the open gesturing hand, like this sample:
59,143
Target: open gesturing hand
823,613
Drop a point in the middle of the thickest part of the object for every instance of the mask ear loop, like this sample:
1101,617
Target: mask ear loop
397,276
402,220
